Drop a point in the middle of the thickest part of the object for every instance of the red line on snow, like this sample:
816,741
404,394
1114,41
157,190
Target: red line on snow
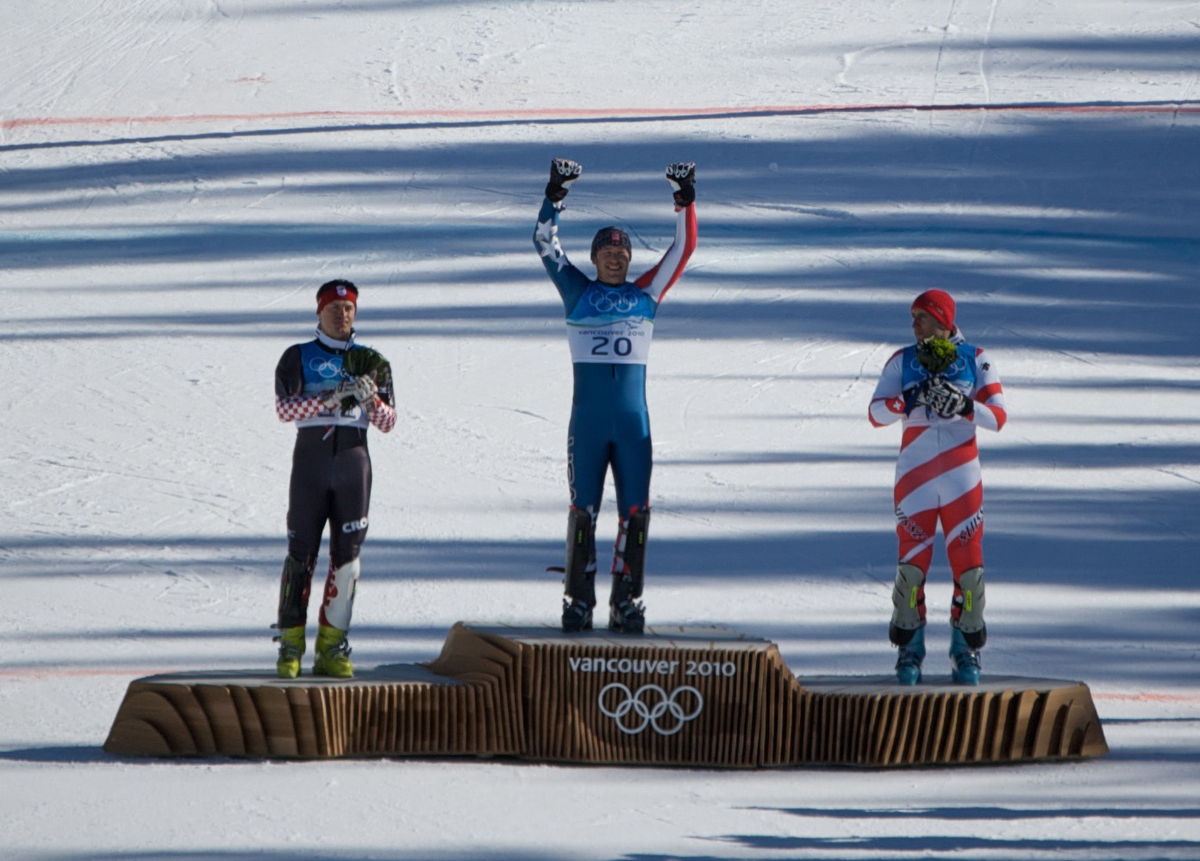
534,114
1150,697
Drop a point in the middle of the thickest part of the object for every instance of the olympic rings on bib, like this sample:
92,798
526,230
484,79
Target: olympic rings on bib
612,301
328,369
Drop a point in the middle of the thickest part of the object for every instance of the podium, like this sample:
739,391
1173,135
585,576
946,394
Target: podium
676,696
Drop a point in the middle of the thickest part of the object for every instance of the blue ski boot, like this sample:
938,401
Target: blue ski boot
912,653
964,661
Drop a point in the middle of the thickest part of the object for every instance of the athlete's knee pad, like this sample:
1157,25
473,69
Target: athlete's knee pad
908,603
294,585
969,601
579,578
340,588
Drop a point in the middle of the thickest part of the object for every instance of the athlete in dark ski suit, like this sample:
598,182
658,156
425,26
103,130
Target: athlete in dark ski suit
331,473
610,322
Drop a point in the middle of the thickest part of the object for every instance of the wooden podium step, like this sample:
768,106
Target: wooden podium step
689,696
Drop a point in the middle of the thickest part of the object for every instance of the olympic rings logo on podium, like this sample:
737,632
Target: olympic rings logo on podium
651,706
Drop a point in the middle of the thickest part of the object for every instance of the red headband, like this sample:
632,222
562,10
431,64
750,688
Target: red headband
333,291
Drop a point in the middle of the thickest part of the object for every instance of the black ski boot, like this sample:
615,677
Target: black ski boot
576,616
626,615
579,575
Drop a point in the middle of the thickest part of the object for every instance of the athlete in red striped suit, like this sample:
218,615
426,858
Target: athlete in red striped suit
938,479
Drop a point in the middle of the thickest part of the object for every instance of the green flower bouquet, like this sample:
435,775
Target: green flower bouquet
936,354
362,362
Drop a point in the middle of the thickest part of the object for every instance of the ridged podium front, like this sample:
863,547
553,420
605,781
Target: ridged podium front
676,696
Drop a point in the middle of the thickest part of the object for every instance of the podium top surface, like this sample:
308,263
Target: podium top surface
930,684
265,677
655,637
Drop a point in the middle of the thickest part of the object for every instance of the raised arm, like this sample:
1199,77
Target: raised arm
569,281
682,178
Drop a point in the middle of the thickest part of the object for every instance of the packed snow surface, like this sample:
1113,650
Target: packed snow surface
176,178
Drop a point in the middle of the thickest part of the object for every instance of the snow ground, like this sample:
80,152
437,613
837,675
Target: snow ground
177,177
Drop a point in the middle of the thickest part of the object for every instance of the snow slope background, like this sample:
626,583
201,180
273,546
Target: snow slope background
176,178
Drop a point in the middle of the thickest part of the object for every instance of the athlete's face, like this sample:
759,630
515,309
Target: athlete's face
337,318
924,325
612,264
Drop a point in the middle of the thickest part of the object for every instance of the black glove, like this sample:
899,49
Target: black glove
563,172
682,177
944,399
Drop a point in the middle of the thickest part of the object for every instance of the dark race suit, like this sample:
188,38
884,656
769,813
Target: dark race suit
331,476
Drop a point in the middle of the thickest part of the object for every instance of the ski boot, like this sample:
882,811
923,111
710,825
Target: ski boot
964,660
291,649
969,601
576,616
626,615
579,575
908,603
333,654
912,653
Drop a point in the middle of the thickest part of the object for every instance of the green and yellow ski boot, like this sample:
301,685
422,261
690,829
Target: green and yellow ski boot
333,654
291,649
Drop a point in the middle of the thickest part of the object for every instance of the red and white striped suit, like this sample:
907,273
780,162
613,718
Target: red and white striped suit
937,472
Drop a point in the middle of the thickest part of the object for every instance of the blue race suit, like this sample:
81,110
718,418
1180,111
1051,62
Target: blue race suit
609,330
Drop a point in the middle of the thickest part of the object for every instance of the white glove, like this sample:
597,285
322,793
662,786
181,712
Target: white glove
364,389
333,400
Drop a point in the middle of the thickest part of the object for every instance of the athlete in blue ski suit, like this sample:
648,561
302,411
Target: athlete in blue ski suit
610,323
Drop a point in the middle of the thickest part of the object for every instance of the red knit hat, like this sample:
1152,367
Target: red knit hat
337,289
939,305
